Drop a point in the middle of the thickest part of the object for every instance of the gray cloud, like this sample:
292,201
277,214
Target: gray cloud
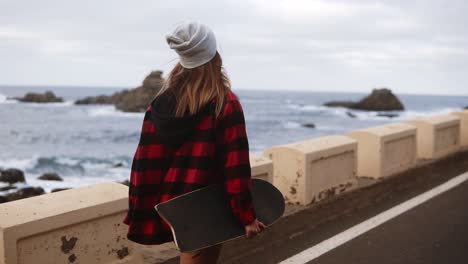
409,46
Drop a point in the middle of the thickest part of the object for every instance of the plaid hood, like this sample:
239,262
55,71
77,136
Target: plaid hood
174,130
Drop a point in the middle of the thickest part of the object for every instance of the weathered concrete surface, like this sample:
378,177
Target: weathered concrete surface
81,225
312,170
437,136
463,115
304,226
261,167
385,150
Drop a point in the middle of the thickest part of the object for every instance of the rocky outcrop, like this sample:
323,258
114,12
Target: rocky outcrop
387,115
466,107
51,176
59,189
47,97
350,114
379,100
340,103
25,192
125,182
135,100
8,187
12,176
309,125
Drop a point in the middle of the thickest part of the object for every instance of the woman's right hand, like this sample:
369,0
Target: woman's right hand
254,228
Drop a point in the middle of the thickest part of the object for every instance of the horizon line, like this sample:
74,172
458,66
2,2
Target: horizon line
240,88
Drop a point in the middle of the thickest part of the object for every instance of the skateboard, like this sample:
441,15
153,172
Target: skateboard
203,218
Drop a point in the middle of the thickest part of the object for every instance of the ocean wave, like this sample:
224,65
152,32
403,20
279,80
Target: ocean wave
400,115
70,166
75,171
65,103
110,110
308,108
5,100
371,115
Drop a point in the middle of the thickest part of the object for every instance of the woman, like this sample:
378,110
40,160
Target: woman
193,135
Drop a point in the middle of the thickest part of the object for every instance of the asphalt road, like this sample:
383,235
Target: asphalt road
433,232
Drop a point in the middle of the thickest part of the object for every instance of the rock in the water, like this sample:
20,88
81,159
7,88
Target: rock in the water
379,100
126,182
6,188
117,165
51,176
59,189
135,100
466,107
100,99
3,199
387,115
351,114
47,97
309,125
25,193
12,176
339,104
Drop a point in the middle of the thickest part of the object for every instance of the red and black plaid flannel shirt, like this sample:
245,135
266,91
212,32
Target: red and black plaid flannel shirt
217,152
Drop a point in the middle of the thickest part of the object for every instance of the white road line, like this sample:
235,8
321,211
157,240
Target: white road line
357,230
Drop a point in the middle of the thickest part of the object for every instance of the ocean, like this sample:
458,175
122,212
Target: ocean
83,143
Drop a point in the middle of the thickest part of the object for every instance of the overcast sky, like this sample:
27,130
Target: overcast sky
418,46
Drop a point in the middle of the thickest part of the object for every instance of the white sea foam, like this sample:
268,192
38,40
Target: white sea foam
4,100
53,104
18,163
308,108
372,115
291,125
110,110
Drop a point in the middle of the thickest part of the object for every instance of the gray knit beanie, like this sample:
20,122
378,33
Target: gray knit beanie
194,42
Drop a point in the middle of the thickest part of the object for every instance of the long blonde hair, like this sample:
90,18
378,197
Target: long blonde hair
193,88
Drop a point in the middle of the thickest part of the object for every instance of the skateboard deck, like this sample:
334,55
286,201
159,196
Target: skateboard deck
203,218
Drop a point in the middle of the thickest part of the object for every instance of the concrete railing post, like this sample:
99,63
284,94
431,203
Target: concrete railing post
312,170
437,136
385,150
82,225
262,167
463,115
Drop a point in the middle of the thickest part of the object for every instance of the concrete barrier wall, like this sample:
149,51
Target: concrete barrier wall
261,167
81,225
312,170
463,127
437,136
385,150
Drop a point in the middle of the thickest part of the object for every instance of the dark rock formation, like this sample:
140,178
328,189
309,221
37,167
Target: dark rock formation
339,103
387,115
3,199
117,165
309,125
135,100
466,107
59,189
126,182
100,99
25,192
12,176
8,187
47,97
379,100
51,176
350,114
